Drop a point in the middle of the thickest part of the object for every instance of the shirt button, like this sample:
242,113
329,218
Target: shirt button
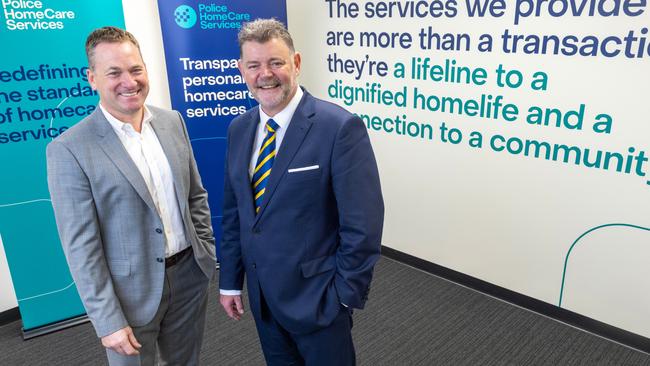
160,260
159,230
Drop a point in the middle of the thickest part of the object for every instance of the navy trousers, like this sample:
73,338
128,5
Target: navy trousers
325,347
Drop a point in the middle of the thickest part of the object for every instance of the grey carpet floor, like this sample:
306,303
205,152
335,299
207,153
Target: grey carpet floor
412,318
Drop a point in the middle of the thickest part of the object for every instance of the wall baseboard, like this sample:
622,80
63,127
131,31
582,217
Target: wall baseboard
9,316
566,316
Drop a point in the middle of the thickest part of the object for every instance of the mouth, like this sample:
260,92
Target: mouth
130,93
269,85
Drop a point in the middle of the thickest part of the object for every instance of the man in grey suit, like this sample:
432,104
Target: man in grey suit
132,214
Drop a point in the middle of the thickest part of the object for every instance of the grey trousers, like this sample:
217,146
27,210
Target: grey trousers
175,334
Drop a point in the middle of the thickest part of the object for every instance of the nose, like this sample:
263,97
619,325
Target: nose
128,80
265,71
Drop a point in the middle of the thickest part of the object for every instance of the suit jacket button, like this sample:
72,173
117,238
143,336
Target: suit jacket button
160,260
159,230
254,265
256,231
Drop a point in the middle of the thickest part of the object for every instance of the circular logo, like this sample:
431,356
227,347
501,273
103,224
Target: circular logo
185,16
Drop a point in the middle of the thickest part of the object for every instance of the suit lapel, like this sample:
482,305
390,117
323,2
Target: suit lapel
165,137
246,154
115,151
293,138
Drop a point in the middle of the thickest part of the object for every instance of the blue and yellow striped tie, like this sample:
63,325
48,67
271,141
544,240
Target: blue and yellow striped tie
264,163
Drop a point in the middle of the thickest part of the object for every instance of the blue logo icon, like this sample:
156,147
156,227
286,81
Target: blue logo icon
185,16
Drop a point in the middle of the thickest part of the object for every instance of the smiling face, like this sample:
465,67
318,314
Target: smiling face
120,77
271,71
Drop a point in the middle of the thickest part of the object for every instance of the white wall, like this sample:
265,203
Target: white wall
509,219
7,294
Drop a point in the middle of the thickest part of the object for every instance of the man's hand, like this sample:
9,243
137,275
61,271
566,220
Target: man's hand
123,342
232,305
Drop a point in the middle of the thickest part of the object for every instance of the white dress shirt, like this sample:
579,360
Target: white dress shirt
283,118
147,154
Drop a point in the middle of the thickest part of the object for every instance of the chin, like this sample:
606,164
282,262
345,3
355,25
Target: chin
270,104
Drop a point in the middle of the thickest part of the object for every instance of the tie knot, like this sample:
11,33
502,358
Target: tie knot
272,126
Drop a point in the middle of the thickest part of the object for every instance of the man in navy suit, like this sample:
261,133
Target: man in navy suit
303,210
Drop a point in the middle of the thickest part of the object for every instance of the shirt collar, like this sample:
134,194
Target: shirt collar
284,116
123,127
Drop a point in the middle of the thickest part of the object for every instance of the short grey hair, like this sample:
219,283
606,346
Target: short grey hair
262,31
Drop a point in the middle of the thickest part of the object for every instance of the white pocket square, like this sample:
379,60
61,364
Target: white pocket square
295,170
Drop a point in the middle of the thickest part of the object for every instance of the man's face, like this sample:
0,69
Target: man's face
270,71
120,78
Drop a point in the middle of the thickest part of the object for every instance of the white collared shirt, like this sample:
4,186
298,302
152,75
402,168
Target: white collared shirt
146,152
283,118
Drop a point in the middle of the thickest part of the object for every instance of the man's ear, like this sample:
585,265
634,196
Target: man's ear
296,61
90,75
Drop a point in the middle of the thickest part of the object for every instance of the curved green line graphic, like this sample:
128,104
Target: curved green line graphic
25,202
47,293
566,259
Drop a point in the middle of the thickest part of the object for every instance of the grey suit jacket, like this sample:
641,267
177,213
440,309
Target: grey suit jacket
111,233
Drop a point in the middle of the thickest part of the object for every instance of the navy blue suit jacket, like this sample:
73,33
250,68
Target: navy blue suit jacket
315,241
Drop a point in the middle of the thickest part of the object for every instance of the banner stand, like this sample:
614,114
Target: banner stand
46,329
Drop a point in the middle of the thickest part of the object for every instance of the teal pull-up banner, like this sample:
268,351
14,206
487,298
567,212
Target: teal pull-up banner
43,91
